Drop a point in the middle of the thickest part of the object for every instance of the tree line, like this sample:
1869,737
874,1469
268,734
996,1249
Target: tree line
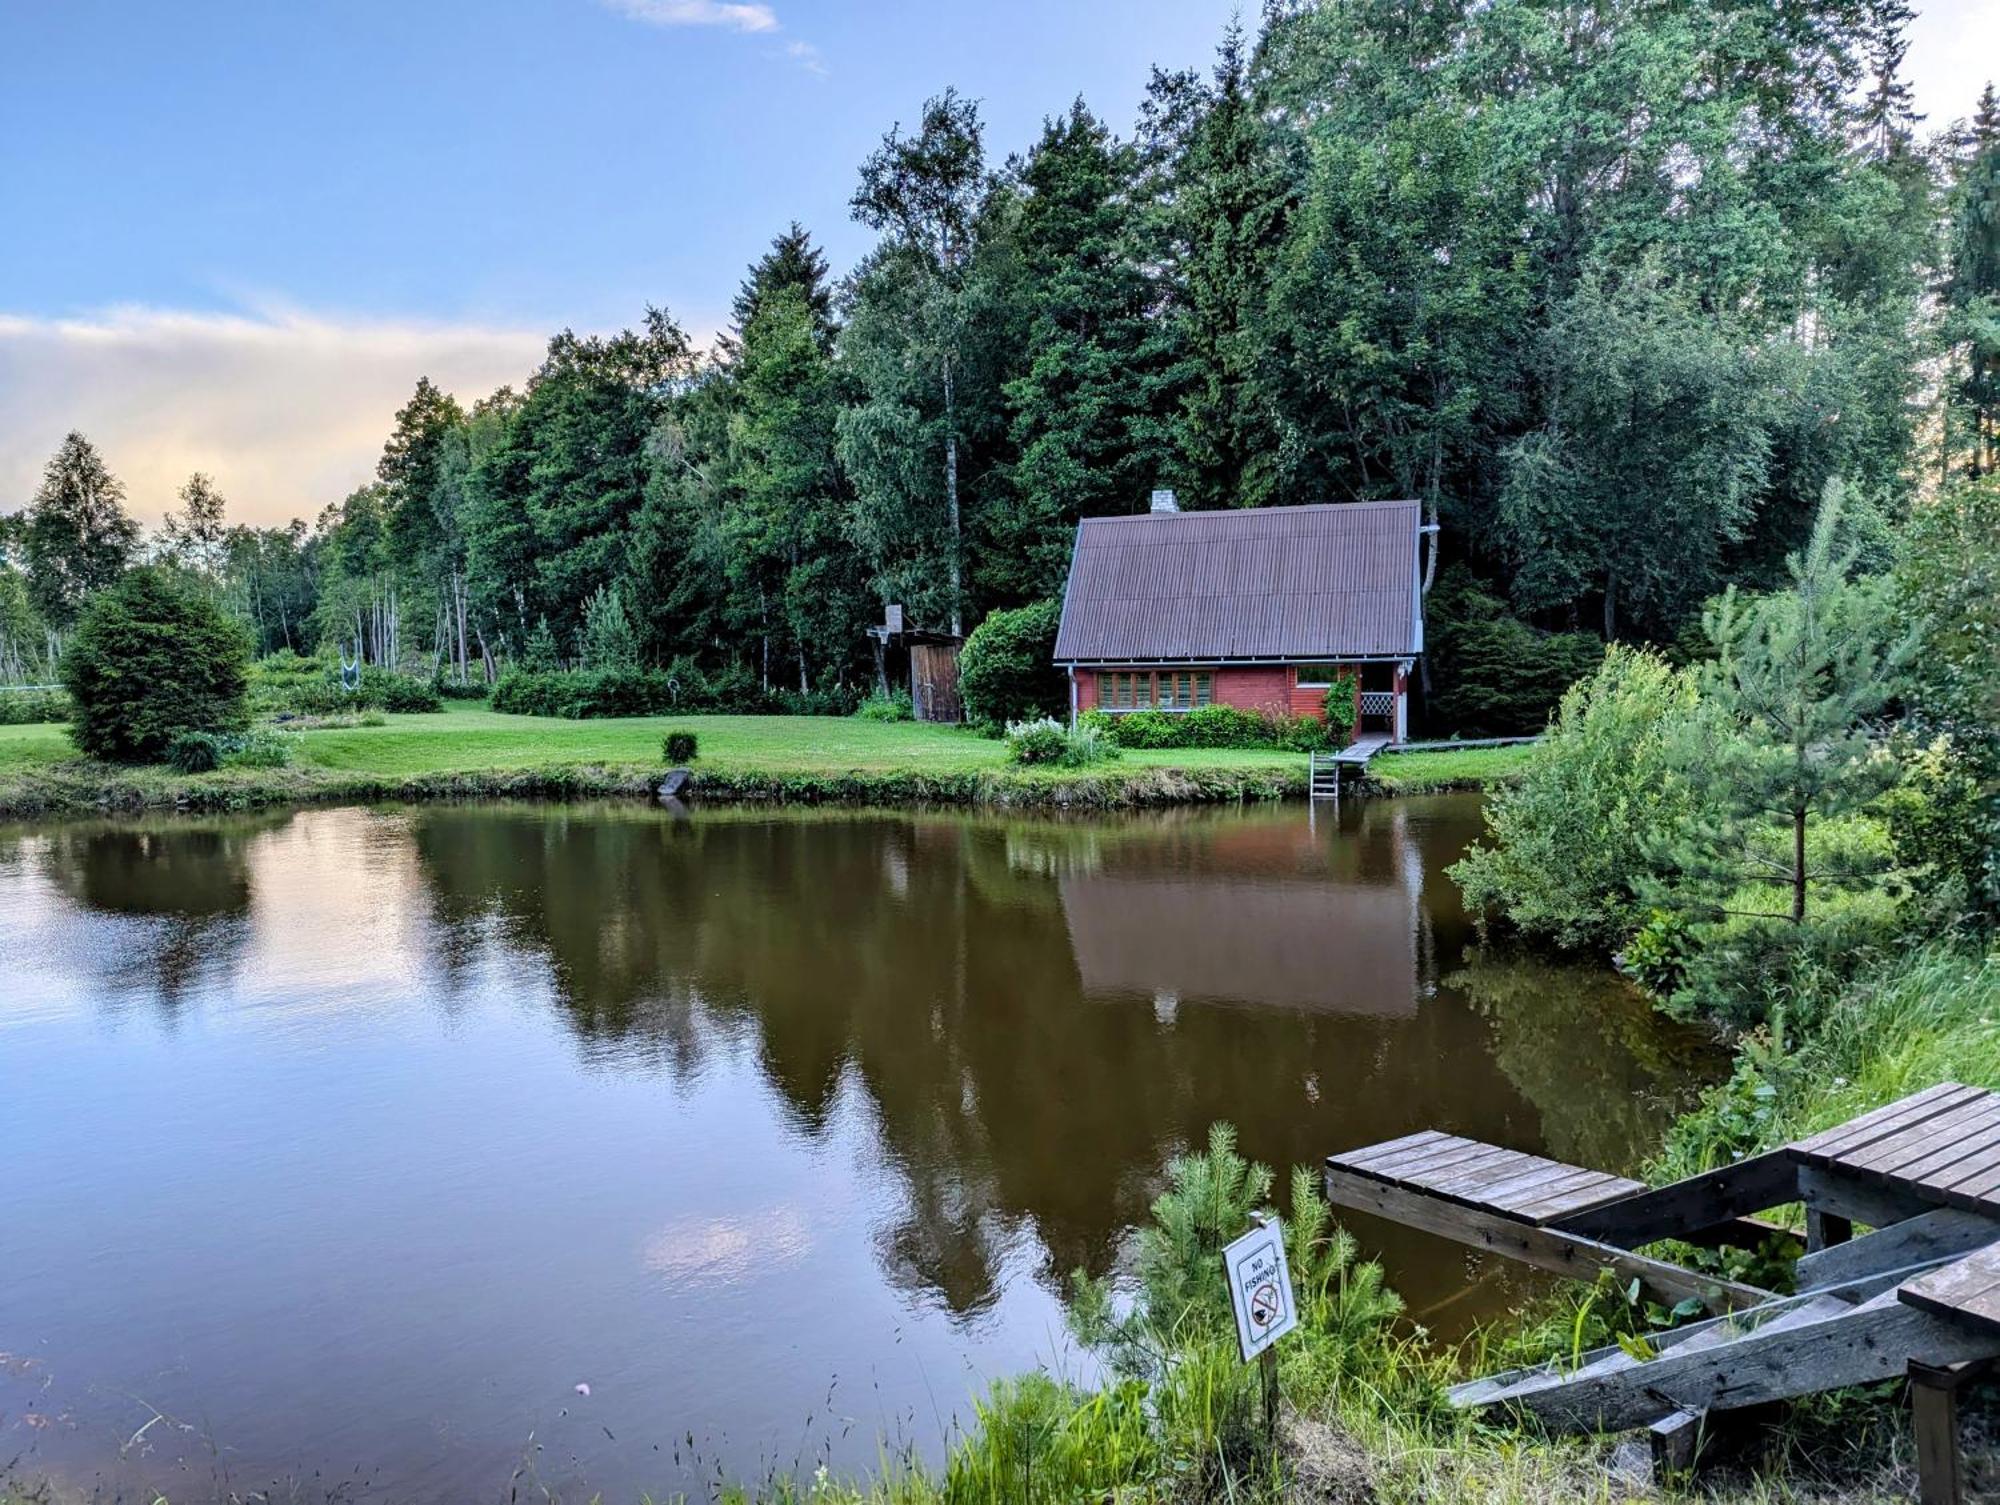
1614,290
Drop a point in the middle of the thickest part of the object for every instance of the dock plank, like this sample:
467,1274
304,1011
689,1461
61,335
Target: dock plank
1977,1186
1472,1173
1430,1160
1906,1146
1580,1199
1967,1290
1476,1172
1369,1154
1858,1133
1959,1161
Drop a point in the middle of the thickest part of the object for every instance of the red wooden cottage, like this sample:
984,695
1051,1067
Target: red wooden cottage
1261,609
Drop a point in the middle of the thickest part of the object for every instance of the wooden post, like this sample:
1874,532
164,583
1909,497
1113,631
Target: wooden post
1267,1363
1934,1415
1824,1229
1676,1442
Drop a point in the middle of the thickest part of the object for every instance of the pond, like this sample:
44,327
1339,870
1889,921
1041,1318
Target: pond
345,1150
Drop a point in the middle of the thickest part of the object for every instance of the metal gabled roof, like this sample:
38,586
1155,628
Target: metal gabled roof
1332,581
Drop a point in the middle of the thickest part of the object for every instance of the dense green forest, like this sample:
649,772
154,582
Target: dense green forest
1614,289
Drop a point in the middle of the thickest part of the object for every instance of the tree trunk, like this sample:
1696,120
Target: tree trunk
763,640
458,607
1610,608
1431,554
951,497
1798,866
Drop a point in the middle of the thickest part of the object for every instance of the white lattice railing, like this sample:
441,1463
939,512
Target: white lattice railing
1378,702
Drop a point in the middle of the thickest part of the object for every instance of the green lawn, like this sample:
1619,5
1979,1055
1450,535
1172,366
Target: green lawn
1407,773
39,769
460,741
21,746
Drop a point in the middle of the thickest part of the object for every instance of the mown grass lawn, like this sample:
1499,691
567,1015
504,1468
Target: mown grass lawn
465,740
477,740
1448,767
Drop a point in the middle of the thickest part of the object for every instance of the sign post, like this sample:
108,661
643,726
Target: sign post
1260,1294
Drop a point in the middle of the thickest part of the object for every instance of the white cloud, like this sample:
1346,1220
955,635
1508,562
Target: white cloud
286,409
734,16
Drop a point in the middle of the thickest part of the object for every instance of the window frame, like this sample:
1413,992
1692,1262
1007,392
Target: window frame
1333,674
1174,692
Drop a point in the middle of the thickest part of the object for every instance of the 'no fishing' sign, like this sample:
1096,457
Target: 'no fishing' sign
1260,1288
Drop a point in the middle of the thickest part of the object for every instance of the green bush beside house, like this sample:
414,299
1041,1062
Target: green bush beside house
1007,669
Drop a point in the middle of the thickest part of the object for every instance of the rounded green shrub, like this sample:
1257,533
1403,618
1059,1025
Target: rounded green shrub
399,692
152,658
1147,729
1047,742
1217,726
680,747
195,752
1007,669
260,747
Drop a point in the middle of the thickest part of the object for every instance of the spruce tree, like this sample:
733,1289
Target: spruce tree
79,538
1788,737
793,262
1232,198
794,572
1076,413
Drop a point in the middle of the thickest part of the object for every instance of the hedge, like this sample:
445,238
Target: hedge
1223,726
588,694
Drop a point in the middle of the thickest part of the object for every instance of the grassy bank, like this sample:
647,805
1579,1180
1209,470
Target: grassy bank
1447,768
461,754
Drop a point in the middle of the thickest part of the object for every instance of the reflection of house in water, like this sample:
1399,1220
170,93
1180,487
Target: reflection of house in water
1272,916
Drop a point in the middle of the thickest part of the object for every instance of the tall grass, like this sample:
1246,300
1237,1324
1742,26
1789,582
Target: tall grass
1905,1023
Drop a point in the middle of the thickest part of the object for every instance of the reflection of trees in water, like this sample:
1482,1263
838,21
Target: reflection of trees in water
181,888
1603,1069
927,961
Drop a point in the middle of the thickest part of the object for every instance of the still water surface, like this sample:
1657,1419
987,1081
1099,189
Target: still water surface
339,1148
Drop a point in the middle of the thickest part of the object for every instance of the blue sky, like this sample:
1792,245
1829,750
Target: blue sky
543,161
237,231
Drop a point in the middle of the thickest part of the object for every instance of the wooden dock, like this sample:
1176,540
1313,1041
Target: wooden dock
1325,772
1917,1295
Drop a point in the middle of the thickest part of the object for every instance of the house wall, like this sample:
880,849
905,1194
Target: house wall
1268,689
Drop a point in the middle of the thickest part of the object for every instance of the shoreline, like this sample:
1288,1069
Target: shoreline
98,789
56,783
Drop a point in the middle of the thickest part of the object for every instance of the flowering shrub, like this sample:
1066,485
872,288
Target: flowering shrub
1047,742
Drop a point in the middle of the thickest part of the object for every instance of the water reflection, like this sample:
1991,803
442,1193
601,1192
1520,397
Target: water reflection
177,894
916,1069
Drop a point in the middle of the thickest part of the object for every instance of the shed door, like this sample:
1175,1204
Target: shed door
934,682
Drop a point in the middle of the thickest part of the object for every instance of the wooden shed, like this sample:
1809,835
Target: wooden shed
926,660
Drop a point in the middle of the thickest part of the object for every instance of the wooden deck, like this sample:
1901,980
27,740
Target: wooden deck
1528,1187
1357,753
1325,771
1968,1290
1916,1296
1942,1146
